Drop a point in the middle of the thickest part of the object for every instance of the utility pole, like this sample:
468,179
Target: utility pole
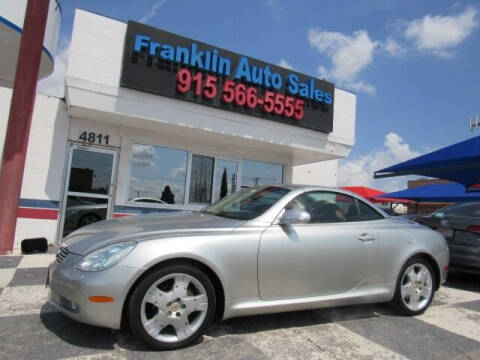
20,118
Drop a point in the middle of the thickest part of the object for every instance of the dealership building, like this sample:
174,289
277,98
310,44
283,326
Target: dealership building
156,122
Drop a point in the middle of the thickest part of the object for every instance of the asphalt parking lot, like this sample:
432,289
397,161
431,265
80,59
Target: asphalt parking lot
450,329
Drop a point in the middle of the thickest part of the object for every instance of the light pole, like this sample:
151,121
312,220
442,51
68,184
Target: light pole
474,123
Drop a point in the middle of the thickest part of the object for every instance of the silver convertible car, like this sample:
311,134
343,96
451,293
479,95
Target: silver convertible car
260,250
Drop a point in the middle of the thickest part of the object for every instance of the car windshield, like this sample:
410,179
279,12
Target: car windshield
247,204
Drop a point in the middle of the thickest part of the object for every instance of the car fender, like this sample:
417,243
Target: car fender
431,244
231,256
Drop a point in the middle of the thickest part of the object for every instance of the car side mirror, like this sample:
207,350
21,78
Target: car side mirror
295,217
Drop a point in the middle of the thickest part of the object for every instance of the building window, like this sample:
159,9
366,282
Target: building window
201,179
226,172
261,173
157,175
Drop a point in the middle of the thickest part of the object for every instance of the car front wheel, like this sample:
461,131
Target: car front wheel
172,306
415,287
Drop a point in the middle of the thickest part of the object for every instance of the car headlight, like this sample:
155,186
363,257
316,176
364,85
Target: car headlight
106,257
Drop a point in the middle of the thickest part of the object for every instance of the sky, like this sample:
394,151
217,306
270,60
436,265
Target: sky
412,64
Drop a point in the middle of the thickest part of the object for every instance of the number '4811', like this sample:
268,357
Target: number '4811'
92,137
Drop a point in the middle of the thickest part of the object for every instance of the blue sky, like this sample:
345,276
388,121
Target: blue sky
413,64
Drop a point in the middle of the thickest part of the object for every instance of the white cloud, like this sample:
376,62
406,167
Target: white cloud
143,163
54,85
144,155
284,63
359,171
360,86
437,34
322,71
349,54
152,12
179,172
144,151
276,8
393,48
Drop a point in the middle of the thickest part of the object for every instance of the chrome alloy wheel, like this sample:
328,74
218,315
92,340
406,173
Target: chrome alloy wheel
174,308
416,287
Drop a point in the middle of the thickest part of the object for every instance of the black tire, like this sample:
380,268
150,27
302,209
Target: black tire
398,303
135,305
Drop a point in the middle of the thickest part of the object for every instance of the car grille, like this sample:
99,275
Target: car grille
62,253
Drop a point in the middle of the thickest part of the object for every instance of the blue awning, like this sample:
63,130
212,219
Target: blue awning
451,192
459,163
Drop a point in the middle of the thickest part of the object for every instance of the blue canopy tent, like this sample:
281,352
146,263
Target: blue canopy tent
459,163
450,192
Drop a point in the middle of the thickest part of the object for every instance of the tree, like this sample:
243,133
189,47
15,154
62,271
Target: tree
224,186
167,195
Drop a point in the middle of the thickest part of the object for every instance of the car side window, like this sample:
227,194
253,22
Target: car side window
454,210
463,210
367,213
331,207
320,205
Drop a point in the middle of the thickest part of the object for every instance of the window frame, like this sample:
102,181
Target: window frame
129,202
186,205
382,217
189,169
238,185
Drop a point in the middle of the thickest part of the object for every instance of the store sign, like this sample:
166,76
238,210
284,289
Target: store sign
163,63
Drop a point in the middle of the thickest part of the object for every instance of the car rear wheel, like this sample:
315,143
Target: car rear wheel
172,307
415,287
88,219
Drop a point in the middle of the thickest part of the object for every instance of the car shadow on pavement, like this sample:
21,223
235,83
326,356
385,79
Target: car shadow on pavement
75,333
252,324
259,323
85,336
463,281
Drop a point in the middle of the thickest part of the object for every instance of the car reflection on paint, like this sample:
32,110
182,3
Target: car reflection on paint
81,211
261,250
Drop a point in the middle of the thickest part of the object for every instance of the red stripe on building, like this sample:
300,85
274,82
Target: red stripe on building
31,213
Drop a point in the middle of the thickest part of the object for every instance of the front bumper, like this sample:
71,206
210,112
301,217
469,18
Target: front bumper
70,289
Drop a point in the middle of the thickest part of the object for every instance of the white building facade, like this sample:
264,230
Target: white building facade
117,145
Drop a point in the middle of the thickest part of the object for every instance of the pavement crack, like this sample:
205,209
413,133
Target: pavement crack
315,344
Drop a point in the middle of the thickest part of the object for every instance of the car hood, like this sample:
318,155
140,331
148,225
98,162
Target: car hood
145,227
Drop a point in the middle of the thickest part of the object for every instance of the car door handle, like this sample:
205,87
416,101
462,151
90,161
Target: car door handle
366,237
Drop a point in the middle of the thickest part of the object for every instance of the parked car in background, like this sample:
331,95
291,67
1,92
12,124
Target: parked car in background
81,212
260,250
460,224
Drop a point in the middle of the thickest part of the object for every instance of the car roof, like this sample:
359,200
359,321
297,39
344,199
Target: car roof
319,188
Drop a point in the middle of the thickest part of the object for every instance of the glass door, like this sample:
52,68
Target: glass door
89,187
